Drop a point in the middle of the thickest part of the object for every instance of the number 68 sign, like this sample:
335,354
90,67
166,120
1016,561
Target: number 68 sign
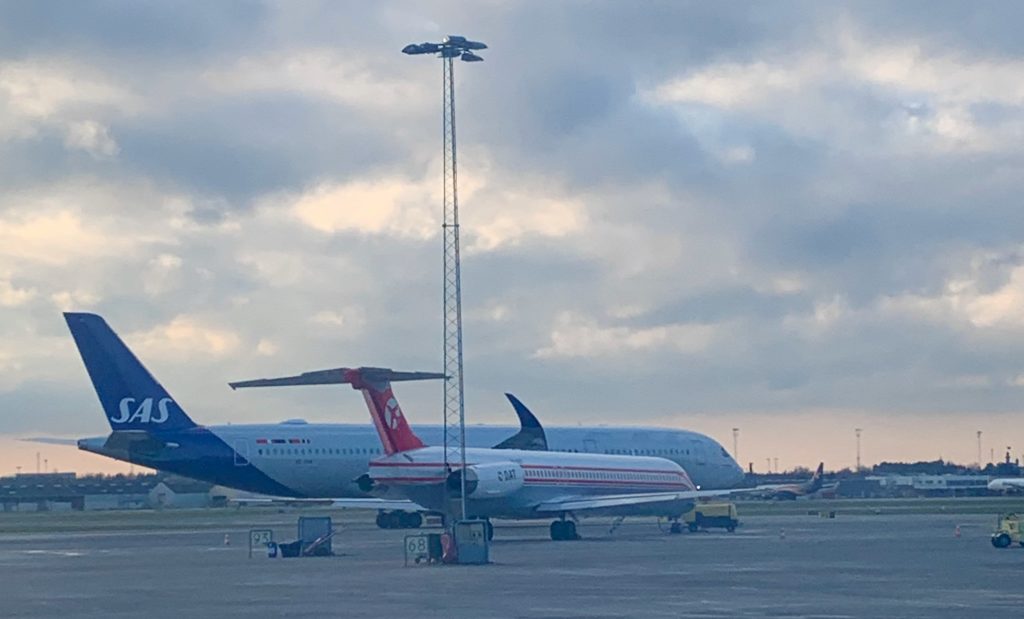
417,548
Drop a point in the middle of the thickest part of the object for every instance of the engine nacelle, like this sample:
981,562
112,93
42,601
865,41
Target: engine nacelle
488,481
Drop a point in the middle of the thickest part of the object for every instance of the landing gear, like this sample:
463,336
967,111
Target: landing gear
563,530
399,520
675,528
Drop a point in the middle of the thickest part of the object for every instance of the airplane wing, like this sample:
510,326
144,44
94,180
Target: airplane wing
46,440
611,501
368,504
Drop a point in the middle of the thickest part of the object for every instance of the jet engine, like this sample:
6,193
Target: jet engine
488,481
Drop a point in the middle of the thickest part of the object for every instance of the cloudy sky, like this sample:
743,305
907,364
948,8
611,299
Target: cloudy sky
796,218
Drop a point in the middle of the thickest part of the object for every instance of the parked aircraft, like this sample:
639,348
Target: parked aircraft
1007,485
513,483
300,460
789,492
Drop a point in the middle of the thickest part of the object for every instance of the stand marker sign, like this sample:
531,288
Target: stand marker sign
259,538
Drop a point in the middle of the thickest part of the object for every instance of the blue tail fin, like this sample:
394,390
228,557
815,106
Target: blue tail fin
531,434
131,397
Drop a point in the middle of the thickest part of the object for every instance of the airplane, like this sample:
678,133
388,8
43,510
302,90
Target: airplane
1007,485
295,460
504,483
789,492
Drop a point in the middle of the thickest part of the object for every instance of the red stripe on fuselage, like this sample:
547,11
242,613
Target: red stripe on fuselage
598,483
540,466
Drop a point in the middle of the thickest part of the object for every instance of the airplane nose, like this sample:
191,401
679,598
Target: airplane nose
737,473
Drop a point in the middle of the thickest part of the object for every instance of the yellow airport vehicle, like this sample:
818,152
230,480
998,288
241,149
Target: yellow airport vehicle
1007,531
712,515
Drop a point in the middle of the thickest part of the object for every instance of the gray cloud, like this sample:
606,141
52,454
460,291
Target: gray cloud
678,207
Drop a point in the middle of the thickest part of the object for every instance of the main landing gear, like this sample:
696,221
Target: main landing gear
399,520
563,530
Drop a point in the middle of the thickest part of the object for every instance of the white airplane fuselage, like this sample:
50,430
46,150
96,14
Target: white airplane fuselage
512,483
298,459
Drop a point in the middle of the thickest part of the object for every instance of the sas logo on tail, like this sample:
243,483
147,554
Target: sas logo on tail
131,411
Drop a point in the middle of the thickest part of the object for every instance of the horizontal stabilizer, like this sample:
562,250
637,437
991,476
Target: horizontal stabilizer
395,434
135,441
338,376
46,440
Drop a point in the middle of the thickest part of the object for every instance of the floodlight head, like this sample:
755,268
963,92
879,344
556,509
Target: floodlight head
452,46
420,48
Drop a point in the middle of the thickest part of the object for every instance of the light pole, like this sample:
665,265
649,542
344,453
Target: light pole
736,444
857,431
979,449
451,47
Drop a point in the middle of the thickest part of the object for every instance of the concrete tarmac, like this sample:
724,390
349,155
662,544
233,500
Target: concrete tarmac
853,566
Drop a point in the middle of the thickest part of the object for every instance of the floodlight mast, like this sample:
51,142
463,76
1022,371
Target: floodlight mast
451,47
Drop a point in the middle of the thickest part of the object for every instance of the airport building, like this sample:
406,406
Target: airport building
67,491
878,486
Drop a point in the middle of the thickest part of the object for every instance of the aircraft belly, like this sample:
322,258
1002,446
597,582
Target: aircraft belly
319,479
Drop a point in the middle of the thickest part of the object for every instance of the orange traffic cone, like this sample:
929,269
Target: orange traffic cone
227,539
956,532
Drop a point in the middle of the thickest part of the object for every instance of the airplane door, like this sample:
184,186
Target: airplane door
590,446
700,455
241,452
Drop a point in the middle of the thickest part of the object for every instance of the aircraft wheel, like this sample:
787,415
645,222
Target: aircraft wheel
409,520
562,530
557,530
675,528
570,530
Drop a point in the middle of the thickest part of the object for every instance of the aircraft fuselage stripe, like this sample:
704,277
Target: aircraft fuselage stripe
556,467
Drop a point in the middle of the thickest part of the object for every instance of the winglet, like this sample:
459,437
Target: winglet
531,434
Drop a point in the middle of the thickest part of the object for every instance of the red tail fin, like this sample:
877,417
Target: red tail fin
375,383
395,434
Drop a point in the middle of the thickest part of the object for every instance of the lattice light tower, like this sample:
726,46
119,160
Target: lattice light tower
450,48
